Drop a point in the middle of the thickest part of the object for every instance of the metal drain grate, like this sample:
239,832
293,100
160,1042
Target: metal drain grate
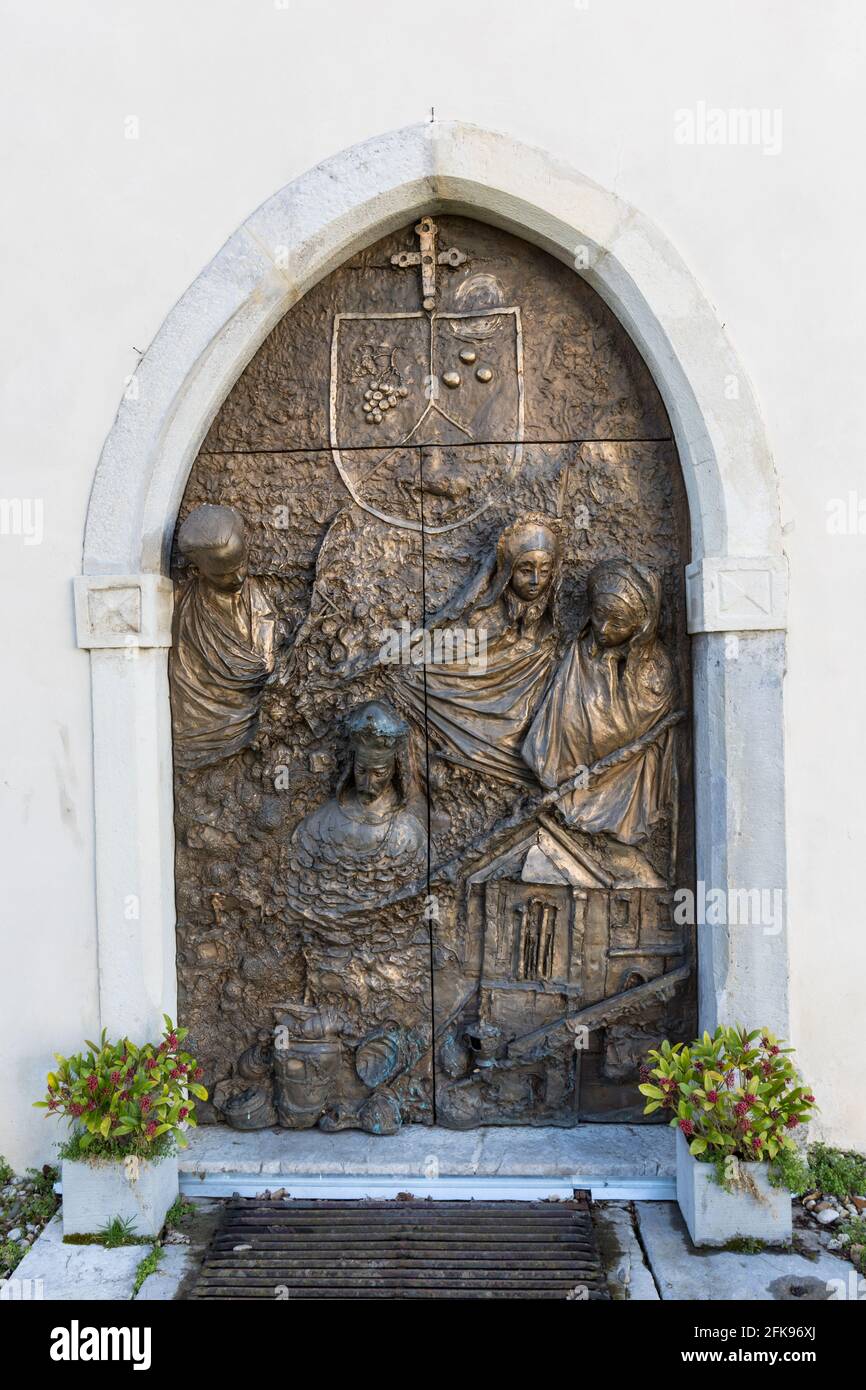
402,1249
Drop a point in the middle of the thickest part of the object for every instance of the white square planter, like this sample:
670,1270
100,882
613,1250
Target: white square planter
715,1216
137,1190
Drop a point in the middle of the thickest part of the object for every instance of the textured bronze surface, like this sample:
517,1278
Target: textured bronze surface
431,704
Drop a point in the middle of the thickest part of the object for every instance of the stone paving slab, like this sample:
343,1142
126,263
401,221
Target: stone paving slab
77,1272
162,1286
559,1159
685,1273
182,1255
628,1277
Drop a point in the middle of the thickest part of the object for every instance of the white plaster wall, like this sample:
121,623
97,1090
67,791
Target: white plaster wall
102,234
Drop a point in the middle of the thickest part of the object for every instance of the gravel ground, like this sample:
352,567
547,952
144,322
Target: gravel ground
838,1224
27,1203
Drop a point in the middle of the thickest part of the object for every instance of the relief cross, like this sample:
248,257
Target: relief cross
428,259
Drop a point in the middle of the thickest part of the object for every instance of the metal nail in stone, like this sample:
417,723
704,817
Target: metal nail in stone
468,355
484,374
451,379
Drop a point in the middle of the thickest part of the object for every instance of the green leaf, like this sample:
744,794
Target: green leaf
645,1089
697,1146
201,1094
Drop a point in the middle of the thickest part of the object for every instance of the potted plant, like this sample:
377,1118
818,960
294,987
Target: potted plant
736,1101
128,1107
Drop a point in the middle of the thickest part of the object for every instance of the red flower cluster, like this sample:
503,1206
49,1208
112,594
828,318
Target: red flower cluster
736,1093
117,1095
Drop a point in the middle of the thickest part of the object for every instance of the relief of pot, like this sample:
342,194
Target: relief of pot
249,1107
305,1074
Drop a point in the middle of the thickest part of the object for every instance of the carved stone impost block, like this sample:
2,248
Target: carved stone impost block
737,594
123,610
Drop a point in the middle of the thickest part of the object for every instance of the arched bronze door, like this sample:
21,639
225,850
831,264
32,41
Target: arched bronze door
431,692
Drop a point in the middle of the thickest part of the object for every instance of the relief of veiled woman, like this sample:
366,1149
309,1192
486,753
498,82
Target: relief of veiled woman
479,711
612,687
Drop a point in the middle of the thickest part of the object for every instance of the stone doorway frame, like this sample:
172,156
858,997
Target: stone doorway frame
736,583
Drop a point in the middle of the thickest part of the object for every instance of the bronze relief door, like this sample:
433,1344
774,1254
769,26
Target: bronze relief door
431,704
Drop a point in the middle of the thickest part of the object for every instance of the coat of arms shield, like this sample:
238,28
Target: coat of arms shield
427,408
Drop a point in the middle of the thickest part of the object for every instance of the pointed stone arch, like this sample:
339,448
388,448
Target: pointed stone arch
736,582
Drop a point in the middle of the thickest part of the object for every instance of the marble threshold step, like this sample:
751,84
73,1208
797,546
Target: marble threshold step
612,1162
